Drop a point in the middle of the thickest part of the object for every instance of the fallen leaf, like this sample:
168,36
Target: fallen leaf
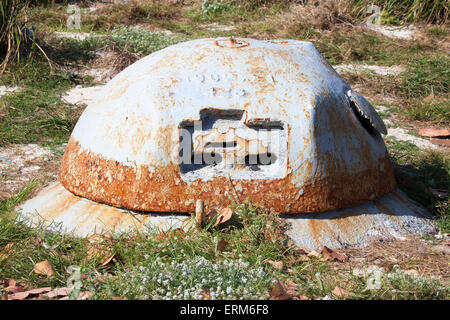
277,234
107,236
302,297
21,295
276,264
430,132
339,292
117,298
107,259
302,250
278,292
14,289
221,215
98,248
314,254
96,238
221,244
290,287
9,283
64,298
205,295
85,295
104,277
95,252
329,254
36,240
39,290
44,268
8,246
268,235
7,251
224,216
18,296
429,98
59,292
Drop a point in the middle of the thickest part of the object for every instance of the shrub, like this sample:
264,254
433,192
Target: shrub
144,41
11,26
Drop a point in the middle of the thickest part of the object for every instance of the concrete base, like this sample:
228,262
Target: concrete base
59,209
392,216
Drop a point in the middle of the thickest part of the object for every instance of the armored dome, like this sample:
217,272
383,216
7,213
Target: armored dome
226,119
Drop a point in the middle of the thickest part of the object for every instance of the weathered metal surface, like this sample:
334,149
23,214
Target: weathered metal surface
393,215
125,148
365,109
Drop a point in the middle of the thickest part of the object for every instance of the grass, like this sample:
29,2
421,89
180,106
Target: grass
407,11
11,30
437,31
190,264
426,75
435,111
417,171
36,113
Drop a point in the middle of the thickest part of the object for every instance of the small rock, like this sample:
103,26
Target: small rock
429,132
80,95
5,90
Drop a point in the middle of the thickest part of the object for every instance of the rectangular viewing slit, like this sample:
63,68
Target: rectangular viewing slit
265,124
211,117
224,143
262,159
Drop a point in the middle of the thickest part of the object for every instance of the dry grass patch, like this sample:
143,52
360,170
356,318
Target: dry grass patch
412,253
132,13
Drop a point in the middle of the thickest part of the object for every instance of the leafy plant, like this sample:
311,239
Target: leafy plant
213,6
11,26
144,41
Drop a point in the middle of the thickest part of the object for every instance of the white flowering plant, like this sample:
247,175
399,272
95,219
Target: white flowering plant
191,278
213,6
144,41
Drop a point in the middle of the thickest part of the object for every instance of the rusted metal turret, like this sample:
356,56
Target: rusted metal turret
222,120
278,99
